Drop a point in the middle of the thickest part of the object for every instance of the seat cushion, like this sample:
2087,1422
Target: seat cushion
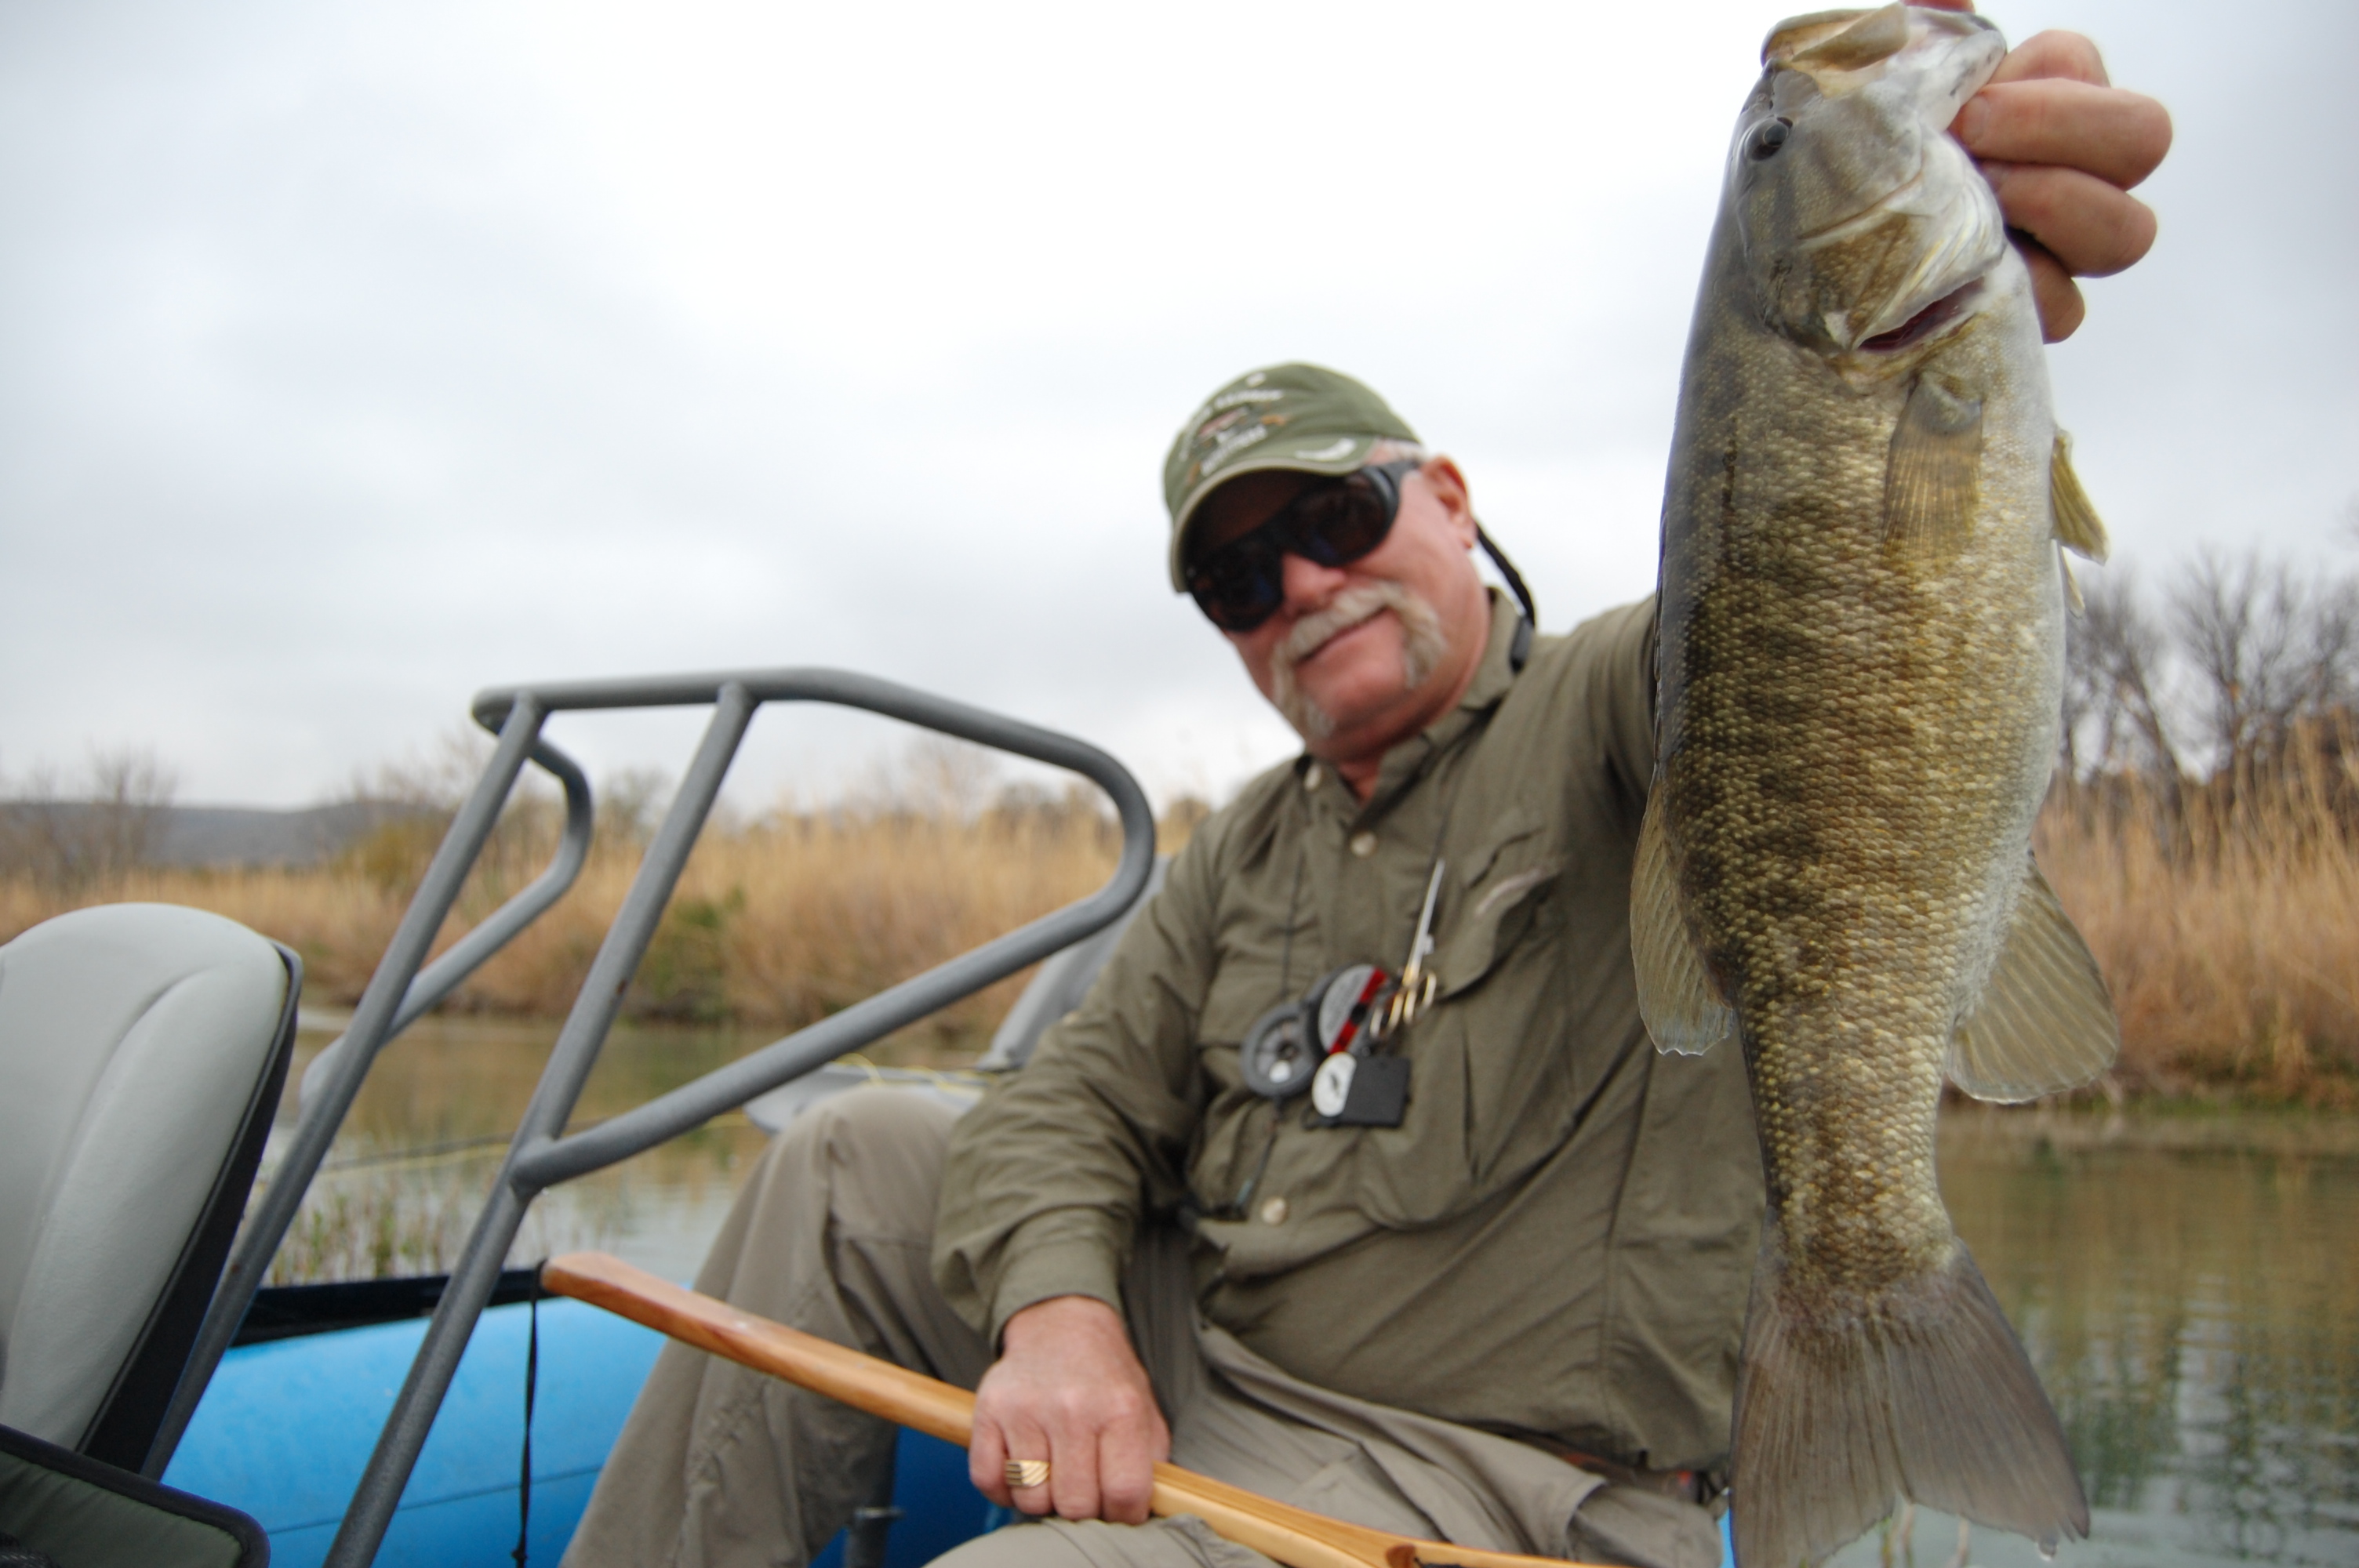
131,1040
78,1513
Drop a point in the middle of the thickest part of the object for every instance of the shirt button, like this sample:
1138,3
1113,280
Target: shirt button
1313,776
1364,844
1274,1212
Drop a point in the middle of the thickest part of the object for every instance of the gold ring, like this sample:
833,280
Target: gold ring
1022,1473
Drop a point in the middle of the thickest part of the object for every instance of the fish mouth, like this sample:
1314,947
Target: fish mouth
1925,323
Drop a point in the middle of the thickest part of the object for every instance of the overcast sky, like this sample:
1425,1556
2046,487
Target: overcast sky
354,358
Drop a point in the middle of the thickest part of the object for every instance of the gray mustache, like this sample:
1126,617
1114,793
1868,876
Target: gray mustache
1423,646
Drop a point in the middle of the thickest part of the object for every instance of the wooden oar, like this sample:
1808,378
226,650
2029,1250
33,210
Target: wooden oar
1292,1536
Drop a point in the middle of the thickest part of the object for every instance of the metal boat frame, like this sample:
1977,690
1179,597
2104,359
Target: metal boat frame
542,1153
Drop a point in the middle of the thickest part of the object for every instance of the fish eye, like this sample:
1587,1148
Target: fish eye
1768,137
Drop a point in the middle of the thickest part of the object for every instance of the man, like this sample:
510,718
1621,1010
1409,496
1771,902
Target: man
1499,1305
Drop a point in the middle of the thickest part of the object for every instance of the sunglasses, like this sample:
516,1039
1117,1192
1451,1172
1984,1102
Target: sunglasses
1241,584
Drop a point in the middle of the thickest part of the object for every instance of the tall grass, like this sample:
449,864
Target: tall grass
2227,922
776,924
2226,916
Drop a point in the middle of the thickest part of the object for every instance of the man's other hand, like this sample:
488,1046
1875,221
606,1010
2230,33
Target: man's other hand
2062,148
1068,1388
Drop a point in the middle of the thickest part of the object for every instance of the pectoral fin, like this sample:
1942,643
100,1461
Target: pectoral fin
2075,520
1934,476
2044,1022
1677,997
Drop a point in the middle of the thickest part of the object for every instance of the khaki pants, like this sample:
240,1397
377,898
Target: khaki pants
722,1468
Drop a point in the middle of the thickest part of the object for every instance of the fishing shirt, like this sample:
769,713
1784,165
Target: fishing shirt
1558,1240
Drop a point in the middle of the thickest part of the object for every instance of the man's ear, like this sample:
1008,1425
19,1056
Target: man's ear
1449,485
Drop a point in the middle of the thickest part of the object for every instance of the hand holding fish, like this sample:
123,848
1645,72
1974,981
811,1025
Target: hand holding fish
2062,148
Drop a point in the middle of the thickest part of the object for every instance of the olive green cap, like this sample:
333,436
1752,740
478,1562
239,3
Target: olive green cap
1301,416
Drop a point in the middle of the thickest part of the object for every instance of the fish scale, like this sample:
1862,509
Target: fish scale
1859,665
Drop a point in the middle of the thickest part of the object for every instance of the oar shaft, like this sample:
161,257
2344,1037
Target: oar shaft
906,1398
1292,1536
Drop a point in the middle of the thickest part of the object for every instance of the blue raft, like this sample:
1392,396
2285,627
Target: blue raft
286,1426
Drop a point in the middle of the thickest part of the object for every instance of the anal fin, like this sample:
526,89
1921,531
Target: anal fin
1932,480
2073,516
2044,1022
1682,1008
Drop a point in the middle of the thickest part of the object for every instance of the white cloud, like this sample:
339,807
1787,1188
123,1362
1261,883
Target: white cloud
357,359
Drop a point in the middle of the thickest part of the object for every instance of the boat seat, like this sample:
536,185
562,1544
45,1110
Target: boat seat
63,1509
142,1051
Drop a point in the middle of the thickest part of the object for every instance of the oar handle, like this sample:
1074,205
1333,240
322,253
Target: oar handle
1292,1536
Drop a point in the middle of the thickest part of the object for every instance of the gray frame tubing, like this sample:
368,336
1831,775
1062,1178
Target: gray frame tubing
374,1025
541,1155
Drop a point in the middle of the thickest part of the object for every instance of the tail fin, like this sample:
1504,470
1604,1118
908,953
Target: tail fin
1927,1396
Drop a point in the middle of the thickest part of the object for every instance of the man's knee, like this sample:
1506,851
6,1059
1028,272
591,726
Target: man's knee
877,1152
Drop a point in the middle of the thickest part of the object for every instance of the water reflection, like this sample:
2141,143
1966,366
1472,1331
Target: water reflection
411,1167
2184,1284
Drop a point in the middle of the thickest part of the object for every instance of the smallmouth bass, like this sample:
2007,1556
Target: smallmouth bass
1860,661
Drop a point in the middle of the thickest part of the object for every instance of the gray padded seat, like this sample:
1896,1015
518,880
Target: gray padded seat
142,1049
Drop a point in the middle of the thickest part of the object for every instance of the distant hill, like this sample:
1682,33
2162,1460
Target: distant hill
206,835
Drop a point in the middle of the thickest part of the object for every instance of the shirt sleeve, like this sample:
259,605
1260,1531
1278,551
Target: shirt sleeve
1048,1179
1608,698
1629,701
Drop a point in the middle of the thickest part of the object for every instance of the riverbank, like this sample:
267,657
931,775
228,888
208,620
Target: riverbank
2232,956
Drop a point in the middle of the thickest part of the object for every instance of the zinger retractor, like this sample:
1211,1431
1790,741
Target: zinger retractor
1296,1042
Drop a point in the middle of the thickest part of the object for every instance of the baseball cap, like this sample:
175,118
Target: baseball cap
1301,416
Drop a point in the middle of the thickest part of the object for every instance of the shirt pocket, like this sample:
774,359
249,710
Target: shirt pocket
1491,1089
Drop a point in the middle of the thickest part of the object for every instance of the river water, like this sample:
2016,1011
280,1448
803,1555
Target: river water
2185,1282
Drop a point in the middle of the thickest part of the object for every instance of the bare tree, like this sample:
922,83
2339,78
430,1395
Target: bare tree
2116,680
411,802
2268,648
131,790
103,826
935,777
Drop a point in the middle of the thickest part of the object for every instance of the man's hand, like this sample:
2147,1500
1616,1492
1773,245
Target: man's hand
1068,1388
2062,148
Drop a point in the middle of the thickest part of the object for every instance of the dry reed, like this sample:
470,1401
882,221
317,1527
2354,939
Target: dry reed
2229,930
776,924
2226,920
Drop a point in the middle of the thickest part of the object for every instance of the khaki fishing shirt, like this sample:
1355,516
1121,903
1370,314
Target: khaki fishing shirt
1558,1240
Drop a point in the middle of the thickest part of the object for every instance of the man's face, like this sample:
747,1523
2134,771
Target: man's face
1359,657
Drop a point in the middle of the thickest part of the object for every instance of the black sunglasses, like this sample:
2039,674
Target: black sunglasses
1241,584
